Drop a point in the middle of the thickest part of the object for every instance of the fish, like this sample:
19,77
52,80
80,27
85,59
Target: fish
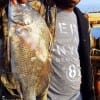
30,51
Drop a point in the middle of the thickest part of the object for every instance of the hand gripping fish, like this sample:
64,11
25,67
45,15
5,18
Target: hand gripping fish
30,41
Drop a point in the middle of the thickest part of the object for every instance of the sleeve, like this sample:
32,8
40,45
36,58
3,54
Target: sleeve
87,82
87,86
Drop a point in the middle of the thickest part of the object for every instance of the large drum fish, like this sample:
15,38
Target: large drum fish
30,41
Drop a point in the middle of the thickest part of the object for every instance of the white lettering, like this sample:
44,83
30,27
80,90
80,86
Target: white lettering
63,27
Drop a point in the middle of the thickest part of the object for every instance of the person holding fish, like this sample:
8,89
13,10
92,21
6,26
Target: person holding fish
72,72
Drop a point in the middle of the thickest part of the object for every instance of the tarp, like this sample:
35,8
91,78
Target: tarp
95,32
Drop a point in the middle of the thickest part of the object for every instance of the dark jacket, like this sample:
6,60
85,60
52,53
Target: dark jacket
48,11
84,54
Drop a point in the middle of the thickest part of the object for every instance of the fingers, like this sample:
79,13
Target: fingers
14,1
22,1
18,1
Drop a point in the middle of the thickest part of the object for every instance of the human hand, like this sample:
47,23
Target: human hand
18,1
